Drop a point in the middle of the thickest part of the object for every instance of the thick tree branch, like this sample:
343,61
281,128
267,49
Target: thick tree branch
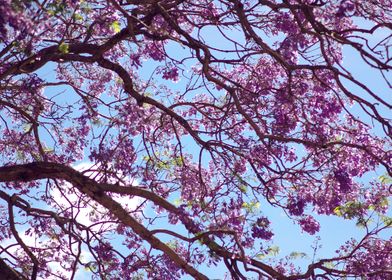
96,191
44,170
8,273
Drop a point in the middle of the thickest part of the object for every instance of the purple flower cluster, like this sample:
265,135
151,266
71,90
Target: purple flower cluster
261,230
296,206
10,18
346,8
309,224
343,179
171,74
372,259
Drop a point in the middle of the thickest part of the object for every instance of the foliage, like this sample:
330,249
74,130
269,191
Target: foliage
147,139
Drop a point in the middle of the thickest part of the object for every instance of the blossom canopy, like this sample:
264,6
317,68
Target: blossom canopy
150,139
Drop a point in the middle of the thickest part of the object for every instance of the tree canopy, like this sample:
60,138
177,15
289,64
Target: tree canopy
147,139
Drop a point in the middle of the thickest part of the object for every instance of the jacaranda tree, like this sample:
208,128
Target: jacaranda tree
147,139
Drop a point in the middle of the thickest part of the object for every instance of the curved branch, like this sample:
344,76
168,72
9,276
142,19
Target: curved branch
9,273
45,170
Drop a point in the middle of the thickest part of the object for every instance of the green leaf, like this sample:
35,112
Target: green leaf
97,122
384,202
273,251
243,189
298,255
78,17
385,179
115,26
386,220
138,276
251,206
162,165
261,256
329,265
178,161
36,156
48,150
338,211
91,266
57,7
177,201
27,127
350,210
64,48
20,155
361,223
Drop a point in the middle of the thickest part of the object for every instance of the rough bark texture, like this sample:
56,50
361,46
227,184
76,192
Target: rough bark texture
7,273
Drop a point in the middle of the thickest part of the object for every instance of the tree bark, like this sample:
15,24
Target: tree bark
8,273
